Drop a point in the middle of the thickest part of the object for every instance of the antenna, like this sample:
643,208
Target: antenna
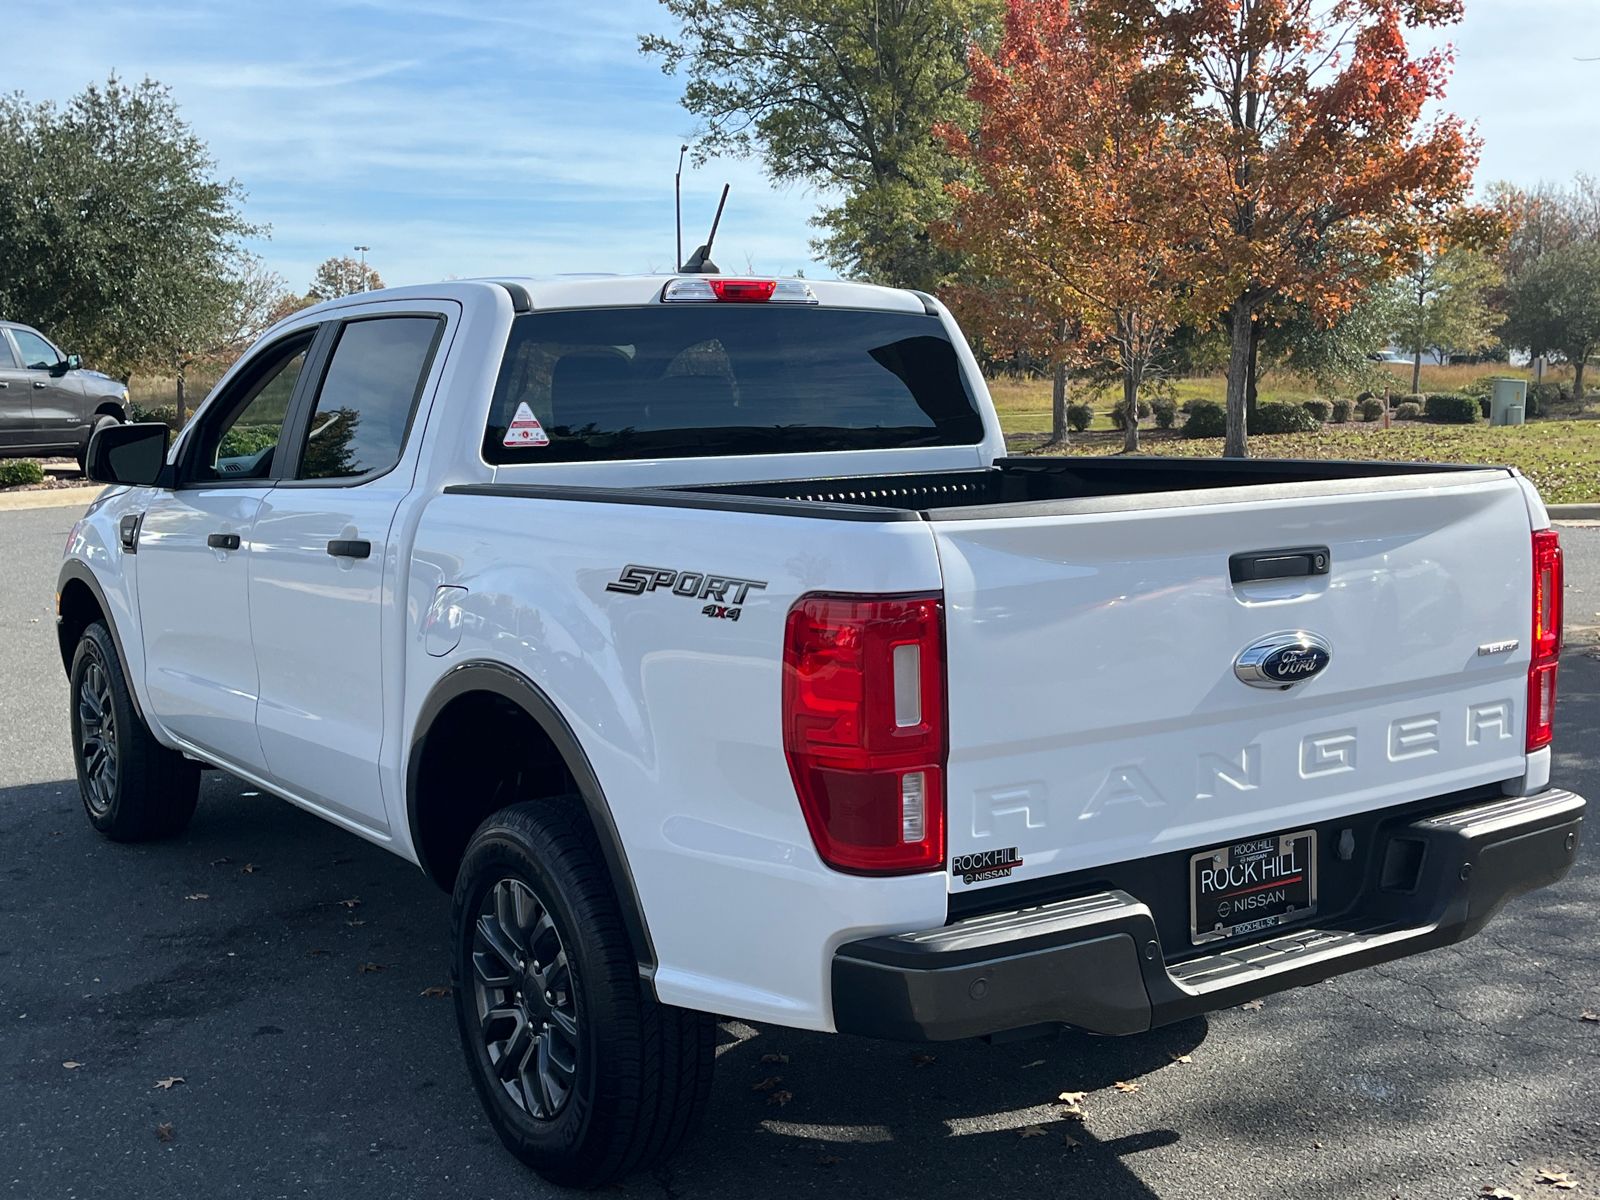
677,203
700,261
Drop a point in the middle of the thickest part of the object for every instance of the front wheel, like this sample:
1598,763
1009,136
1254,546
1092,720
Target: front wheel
134,789
584,1075
103,421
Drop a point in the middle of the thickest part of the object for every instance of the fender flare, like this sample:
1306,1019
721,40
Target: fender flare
77,570
501,680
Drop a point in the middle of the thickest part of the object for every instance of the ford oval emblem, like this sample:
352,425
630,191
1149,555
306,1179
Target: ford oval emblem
1281,660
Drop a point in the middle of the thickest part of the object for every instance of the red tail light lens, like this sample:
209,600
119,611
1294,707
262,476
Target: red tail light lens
864,729
1547,587
744,291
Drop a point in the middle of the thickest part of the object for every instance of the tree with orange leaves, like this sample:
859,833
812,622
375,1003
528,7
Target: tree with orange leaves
1305,121
1081,201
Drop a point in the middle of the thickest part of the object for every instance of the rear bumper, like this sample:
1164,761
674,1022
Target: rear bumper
1095,961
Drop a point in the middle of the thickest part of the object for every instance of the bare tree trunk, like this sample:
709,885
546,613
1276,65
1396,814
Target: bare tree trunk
1236,445
1416,371
1060,429
1250,379
181,394
1577,379
1130,411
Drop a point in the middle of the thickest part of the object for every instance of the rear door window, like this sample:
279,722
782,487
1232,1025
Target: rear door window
669,381
368,396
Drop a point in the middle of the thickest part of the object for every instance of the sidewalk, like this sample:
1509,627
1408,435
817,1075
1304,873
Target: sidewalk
74,497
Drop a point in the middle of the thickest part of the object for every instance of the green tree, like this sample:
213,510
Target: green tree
337,277
1555,307
1442,303
842,95
116,236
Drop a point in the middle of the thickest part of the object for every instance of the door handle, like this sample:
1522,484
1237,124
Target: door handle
223,541
1293,563
4,384
341,548
37,384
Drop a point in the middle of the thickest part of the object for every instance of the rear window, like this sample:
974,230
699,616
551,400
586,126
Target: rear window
589,385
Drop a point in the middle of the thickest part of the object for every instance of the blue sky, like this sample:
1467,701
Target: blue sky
459,138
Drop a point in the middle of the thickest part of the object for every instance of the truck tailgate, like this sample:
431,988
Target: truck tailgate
1095,713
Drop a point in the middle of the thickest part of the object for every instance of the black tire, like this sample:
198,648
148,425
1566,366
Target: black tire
102,421
134,789
628,1077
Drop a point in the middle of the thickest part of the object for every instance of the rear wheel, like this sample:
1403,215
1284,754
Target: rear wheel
134,789
585,1077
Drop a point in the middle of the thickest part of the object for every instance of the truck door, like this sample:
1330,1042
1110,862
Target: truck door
194,548
57,399
322,576
16,406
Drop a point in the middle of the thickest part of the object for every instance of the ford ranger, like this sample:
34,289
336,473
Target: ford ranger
699,635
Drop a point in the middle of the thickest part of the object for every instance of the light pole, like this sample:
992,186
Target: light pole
363,250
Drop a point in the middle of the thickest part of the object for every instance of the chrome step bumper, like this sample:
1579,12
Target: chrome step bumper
1095,962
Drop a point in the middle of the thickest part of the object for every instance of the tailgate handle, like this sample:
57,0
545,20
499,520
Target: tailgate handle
1292,563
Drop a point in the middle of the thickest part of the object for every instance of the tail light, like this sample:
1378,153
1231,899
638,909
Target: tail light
738,291
864,729
1547,584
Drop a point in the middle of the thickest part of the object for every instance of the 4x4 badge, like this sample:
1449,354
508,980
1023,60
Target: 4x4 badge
729,591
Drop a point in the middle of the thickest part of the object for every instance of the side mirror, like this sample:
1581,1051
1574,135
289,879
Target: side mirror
135,455
71,363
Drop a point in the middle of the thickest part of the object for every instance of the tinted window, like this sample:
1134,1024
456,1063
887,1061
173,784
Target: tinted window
243,428
6,357
368,395
37,354
674,381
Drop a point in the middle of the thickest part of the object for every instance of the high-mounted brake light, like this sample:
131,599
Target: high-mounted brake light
864,729
1547,584
739,291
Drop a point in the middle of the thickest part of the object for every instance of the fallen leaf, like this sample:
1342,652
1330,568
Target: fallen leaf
780,1058
923,1060
780,1097
1180,1058
164,1132
1032,1131
249,869
355,922
436,992
55,833
217,862
1038,1062
1126,1088
767,1084
1561,1179
1073,1143
1316,1145
72,1066
198,896
1498,1193
827,1160
1073,1097
1252,1005
351,903
166,1084
316,951
366,967
1589,1016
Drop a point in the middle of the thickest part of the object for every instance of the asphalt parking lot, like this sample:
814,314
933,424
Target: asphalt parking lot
279,968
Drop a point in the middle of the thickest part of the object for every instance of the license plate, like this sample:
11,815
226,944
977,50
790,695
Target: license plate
1251,886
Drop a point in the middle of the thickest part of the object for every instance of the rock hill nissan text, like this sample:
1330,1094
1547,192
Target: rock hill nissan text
698,635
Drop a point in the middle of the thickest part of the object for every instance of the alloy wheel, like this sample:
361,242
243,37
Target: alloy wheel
97,737
523,989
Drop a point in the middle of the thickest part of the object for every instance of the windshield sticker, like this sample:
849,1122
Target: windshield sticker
525,429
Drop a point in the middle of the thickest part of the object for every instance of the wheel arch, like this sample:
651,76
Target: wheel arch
437,853
80,601
111,408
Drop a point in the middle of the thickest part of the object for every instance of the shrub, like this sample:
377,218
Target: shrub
1407,411
1207,418
1278,417
1371,408
1166,412
1420,399
1320,409
1451,409
247,439
17,471
167,414
1483,407
1079,417
1363,398
1541,396
1341,411
1187,406
1120,419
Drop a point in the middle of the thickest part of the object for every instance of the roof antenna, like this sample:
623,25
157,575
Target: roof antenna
677,200
700,261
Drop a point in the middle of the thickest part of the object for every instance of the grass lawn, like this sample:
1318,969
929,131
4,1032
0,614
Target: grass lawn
1561,457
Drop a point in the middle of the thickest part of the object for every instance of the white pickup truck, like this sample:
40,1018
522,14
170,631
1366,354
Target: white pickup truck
699,634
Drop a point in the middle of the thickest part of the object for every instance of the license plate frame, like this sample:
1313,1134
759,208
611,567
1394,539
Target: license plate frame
1256,873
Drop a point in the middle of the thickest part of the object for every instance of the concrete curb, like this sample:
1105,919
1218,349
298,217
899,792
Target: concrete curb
78,497
1573,512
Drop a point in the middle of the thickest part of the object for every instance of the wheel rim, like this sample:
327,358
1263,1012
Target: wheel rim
97,738
527,1013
